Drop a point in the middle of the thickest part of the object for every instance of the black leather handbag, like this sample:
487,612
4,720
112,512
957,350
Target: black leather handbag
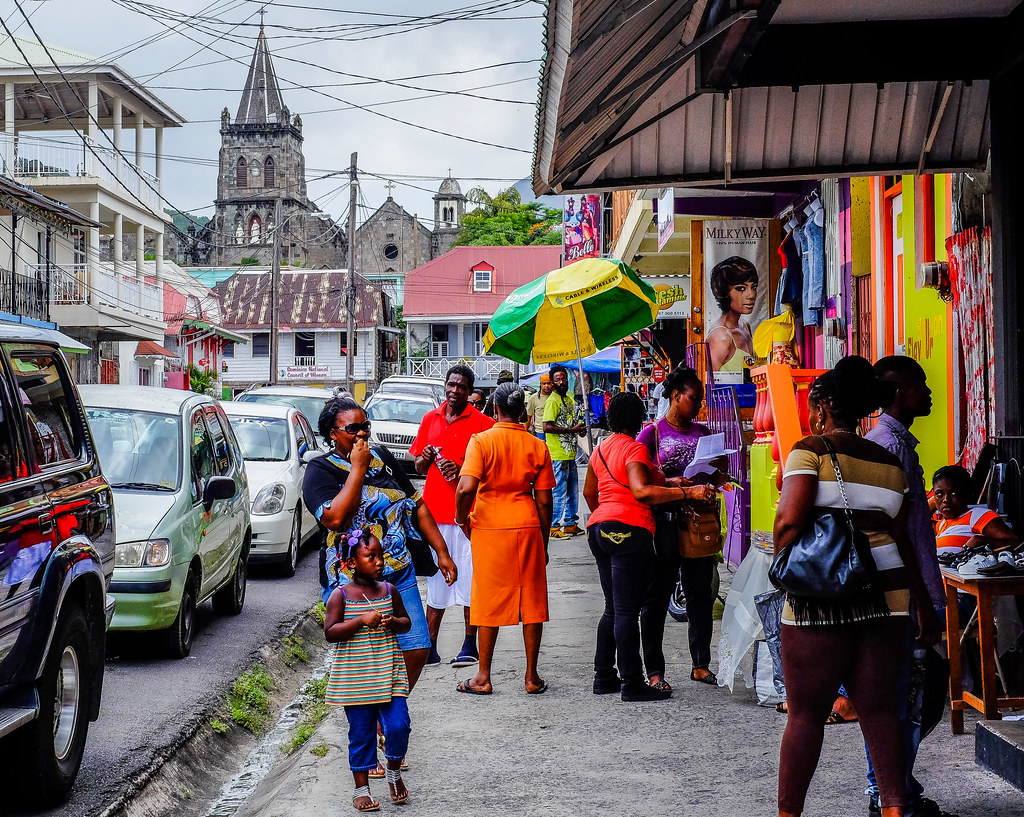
829,573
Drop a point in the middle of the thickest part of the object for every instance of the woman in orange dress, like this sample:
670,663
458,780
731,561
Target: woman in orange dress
508,472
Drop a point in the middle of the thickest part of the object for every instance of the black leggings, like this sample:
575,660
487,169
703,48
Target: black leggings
865,657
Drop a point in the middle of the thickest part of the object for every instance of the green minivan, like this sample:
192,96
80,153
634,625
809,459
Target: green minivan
181,497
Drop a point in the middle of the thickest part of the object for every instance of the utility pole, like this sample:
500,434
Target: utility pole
350,287
275,293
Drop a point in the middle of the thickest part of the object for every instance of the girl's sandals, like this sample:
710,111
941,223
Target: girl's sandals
399,793
363,793
378,773
782,708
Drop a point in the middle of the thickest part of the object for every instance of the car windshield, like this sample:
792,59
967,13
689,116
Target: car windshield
138,450
397,409
262,439
411,387
310,406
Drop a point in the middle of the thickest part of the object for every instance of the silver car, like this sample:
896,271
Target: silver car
395,418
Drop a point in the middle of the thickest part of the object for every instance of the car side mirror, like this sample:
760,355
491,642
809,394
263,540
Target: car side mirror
309,455
218,488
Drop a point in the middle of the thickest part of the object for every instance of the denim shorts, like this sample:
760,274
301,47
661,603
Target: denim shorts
418,638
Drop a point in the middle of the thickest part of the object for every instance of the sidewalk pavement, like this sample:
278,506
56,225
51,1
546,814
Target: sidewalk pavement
706,751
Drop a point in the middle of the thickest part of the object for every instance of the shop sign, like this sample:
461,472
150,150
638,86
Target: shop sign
581,228
666,217
673,294
304,372
658,374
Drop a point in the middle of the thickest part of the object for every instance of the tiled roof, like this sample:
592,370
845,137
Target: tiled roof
309,300
444,286
150,348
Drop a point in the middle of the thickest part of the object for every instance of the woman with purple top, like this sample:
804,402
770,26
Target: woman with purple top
672,443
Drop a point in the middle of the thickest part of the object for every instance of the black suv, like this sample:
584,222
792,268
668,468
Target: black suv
56,558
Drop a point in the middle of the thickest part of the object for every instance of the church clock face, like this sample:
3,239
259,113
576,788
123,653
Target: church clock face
255,171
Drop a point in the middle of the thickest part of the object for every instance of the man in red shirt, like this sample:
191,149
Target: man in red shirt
440,450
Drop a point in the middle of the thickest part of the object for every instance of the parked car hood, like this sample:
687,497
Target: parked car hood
264,473
138,513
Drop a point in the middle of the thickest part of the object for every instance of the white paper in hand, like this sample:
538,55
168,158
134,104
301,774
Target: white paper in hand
709,448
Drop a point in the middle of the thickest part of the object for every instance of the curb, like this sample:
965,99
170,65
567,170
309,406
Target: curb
186,776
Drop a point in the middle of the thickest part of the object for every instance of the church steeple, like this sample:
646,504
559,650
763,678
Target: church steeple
261,100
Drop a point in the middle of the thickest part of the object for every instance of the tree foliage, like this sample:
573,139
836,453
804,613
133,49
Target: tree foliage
504,221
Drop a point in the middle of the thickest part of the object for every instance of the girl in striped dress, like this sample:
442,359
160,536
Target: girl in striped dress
368,675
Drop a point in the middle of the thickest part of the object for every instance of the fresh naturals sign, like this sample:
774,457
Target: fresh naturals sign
673,294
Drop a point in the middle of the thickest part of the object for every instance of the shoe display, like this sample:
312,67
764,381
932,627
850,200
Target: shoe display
1005,565
971,567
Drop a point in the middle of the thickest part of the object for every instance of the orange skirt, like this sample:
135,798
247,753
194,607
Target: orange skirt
510,582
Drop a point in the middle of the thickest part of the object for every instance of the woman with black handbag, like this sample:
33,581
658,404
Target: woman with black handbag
849,571
622,483
672,443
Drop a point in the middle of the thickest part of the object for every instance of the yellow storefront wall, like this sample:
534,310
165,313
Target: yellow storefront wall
928,326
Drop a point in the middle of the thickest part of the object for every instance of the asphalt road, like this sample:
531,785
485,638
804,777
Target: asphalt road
148,700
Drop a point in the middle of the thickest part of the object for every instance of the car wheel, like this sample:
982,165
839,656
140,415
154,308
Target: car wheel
48,751
178,637
228,601
291,559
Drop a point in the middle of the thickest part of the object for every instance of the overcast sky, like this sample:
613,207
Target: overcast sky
184,68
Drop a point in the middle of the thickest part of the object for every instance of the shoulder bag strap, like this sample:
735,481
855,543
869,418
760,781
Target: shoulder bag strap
600,454
839,474
657,445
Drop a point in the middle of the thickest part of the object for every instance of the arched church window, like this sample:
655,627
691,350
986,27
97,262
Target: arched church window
255,230
268,172
241,173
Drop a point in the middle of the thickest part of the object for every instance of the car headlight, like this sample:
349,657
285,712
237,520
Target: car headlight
154,553
269,500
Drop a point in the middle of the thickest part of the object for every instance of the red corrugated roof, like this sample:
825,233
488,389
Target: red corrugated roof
151,348
444,286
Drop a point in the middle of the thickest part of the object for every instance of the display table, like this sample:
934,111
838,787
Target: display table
984,589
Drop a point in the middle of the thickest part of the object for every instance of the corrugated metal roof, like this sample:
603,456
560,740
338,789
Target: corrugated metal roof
655,93
309,300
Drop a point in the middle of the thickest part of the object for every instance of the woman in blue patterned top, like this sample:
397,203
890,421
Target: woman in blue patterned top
355,486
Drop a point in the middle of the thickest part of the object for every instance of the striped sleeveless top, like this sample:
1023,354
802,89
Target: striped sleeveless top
875,485
368,668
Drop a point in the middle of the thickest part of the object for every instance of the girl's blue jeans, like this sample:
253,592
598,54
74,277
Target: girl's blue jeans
362,732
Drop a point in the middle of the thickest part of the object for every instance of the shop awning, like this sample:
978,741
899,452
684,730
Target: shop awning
206,326
648,94
150,348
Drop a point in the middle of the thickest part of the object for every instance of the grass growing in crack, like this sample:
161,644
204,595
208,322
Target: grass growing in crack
314,710
319,612
294,650
319,750
249,699
218,726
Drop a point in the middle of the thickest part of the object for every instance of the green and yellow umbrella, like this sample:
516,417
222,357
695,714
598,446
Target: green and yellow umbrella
571,312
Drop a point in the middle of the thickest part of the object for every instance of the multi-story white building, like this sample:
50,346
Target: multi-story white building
86,133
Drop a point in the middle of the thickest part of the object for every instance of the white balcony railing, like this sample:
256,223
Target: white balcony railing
305,360
69,284
485,367
33,157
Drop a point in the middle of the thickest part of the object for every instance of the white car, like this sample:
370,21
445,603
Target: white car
310,400
276,443
395,419
410,384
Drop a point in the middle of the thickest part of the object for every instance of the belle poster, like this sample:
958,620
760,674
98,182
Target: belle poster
581,229
735,293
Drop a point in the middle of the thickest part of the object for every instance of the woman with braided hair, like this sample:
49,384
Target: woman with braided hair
508,473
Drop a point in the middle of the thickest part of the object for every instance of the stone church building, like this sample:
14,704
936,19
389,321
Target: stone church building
392,242
260,161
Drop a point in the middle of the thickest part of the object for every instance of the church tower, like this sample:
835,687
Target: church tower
449,208
260,161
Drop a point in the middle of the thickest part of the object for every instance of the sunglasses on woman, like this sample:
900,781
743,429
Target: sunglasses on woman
354,428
